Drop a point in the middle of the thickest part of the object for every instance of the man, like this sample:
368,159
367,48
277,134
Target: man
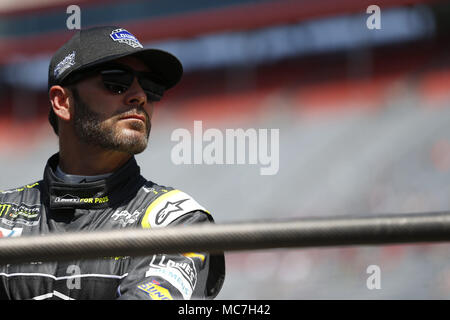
102,87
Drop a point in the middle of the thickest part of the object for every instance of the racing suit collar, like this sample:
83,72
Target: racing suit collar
98,194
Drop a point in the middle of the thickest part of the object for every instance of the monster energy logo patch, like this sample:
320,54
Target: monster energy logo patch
12,214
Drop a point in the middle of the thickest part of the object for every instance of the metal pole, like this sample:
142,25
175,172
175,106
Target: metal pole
307,232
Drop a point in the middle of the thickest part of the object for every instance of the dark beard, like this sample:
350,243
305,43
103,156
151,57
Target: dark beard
90,129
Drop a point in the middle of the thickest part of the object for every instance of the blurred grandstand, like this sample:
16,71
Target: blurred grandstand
363,115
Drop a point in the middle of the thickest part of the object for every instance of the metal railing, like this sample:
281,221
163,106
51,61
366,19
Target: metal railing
306,232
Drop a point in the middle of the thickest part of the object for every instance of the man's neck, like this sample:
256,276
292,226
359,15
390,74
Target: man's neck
91,161
72,178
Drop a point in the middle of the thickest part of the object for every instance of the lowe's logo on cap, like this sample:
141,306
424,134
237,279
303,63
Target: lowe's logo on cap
123,36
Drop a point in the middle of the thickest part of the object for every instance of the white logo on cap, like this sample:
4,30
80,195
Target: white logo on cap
123,36
65,64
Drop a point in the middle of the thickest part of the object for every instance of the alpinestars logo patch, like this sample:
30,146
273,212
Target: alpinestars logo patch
169,208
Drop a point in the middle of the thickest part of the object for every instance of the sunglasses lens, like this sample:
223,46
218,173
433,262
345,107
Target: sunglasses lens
154,91
152,97
115,88
116,80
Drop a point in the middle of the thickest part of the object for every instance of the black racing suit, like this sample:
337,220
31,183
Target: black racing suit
123,200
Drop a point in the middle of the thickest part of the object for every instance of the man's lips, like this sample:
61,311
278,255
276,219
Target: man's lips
134,116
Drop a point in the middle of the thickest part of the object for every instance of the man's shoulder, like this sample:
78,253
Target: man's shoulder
22,192
167,204
155,190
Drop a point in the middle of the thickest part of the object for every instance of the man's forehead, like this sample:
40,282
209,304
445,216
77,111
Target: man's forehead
133,62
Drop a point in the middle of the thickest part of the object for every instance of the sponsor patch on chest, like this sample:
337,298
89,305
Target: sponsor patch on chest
124,217
12,214
8,233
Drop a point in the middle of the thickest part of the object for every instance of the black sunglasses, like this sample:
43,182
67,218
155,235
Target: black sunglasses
117,79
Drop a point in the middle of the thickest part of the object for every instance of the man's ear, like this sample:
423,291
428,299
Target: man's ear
61,102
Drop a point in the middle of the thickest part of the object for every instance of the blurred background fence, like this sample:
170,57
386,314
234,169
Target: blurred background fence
363,117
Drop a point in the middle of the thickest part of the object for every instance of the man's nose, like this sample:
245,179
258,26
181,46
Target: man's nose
135,95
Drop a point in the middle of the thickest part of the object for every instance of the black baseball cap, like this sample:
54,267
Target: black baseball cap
90,47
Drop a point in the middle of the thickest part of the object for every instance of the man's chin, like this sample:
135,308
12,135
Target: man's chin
130,140
132,143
